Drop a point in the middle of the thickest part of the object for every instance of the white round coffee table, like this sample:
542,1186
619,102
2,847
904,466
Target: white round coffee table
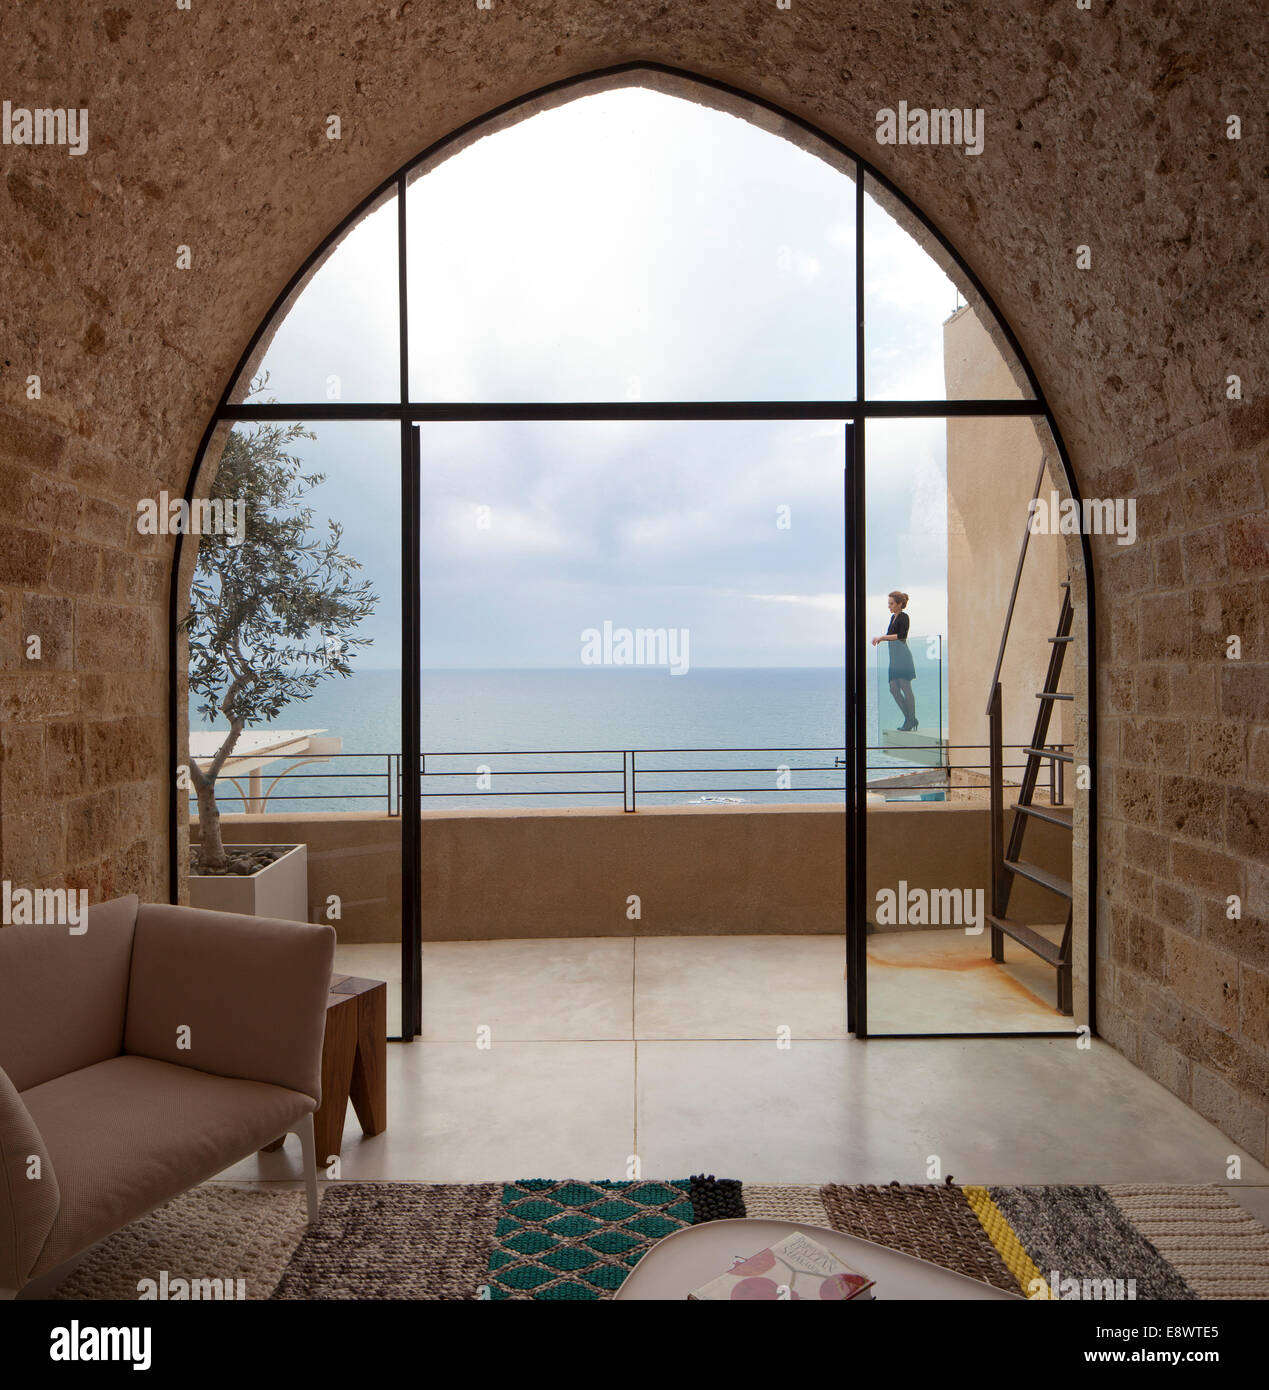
684,1261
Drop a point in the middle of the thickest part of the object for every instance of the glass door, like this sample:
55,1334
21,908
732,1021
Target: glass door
938,538
625,616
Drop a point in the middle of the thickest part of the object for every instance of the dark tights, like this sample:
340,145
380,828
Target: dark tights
902,692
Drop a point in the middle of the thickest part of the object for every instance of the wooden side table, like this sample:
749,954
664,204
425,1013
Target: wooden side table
354,1063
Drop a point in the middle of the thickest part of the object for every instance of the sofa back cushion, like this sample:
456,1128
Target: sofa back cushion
63,998
230,994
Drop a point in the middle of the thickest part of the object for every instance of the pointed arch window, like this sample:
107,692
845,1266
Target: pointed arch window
641,244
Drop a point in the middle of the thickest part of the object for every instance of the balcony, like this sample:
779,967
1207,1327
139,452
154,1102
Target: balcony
721,868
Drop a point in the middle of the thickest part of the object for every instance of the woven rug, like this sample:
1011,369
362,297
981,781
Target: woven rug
213,1231
571,1239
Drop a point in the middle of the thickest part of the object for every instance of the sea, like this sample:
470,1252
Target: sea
589,736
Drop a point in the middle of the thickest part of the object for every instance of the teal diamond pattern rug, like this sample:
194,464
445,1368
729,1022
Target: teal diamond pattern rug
579,1240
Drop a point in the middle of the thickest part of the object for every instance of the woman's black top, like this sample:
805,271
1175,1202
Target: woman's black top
901,667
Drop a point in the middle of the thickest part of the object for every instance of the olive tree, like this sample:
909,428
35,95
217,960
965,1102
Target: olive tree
272,609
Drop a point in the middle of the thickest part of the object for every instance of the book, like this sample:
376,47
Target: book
796,1267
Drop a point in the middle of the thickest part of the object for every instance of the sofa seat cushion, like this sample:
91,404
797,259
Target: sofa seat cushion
130,1133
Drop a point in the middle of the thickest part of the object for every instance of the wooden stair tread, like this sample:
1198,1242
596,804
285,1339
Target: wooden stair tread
1055,815
1053,882
1028,937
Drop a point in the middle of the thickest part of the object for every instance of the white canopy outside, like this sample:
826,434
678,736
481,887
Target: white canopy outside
255,750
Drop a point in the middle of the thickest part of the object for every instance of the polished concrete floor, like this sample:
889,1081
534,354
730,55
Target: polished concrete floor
729,1055
918,982
944,981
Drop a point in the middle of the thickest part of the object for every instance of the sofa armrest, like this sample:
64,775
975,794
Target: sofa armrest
29,1195
229,994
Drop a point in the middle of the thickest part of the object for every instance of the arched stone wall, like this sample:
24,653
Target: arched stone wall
1104,128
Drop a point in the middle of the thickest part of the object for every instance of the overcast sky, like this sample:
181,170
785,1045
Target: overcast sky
629,246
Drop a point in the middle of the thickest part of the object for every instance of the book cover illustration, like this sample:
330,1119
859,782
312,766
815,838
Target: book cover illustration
796,1267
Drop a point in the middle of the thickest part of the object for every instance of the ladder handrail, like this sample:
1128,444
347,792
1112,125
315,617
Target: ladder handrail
996,795
1017,579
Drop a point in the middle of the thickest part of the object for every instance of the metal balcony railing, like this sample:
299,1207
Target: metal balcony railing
626,777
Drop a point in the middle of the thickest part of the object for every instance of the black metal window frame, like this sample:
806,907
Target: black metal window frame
853,414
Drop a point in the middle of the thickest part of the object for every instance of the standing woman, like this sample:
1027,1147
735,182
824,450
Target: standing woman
902,671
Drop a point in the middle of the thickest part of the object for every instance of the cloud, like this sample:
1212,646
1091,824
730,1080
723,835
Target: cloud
898,274
628,245
906,300
596,251
473,528
816,603
797,262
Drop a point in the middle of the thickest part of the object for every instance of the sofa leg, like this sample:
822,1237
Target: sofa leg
308,1148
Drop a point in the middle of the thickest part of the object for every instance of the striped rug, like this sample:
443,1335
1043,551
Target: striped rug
574,1239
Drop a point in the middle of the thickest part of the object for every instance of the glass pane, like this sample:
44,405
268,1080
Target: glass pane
947,510
338,338
316,763
922,340
633,616
631,245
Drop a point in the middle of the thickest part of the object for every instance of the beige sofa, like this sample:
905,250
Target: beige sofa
141,1057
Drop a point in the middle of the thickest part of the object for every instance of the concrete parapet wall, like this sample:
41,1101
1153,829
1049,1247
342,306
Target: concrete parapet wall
744,870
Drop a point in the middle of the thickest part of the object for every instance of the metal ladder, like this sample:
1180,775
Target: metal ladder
1007,861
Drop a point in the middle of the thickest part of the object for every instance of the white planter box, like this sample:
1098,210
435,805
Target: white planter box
279,890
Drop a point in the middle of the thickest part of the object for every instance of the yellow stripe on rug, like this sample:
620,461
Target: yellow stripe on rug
1010,1249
